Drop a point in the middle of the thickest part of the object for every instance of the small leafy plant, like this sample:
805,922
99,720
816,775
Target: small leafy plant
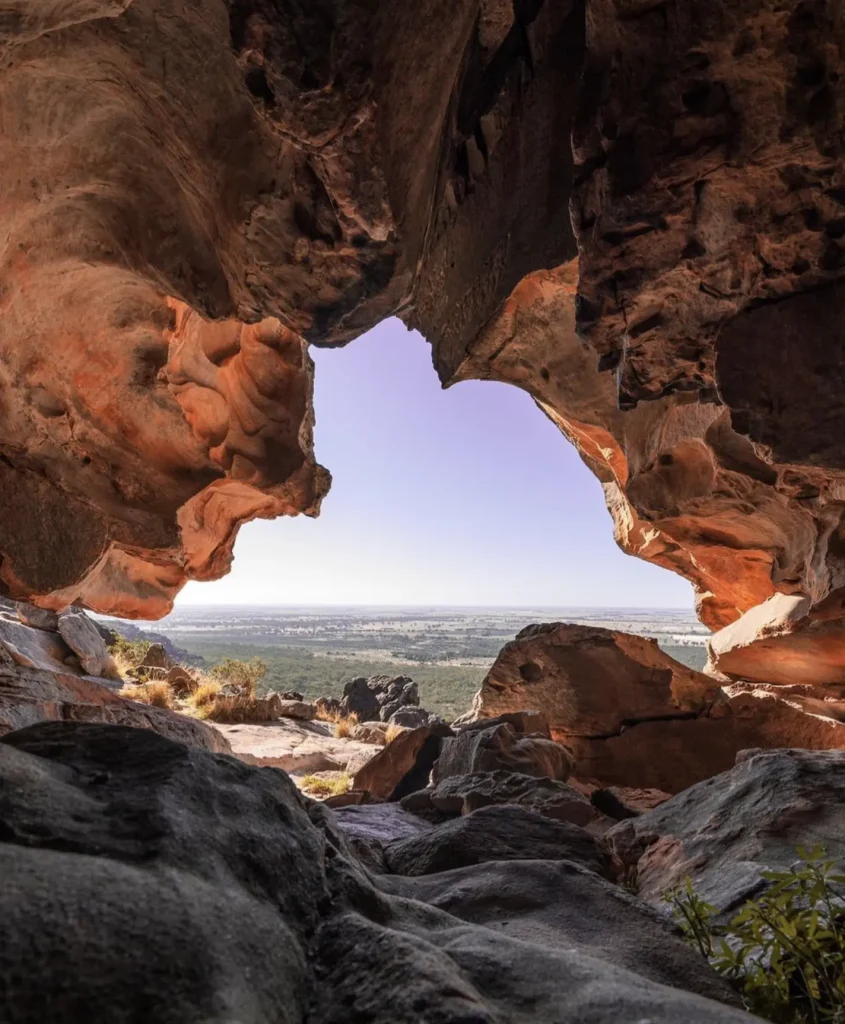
785,951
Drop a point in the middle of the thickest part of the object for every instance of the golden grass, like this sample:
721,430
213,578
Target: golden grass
392,732
343,726
159,695
315,785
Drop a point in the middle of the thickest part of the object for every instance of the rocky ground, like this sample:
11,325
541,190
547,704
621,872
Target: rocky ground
513,865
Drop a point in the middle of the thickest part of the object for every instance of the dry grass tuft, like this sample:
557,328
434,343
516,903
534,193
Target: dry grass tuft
159,695
392,732
316,785
343,726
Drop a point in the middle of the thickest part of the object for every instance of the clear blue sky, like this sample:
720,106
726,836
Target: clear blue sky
465,496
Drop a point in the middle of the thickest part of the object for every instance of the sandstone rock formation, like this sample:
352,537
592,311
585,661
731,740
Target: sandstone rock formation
266,905
632,716
404,765
723,833
612,205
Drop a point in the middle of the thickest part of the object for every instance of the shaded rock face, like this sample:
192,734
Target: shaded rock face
378,698
463,794
131,859
500,747
631,716
723,833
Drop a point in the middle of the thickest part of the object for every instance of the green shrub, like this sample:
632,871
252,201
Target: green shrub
785,951
245,674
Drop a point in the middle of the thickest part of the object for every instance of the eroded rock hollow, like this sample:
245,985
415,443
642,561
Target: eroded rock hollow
634,210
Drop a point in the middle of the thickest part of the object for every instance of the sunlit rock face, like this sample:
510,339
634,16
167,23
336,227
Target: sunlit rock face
634,211
692,349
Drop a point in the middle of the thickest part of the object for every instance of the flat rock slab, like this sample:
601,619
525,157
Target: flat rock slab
294,746
494,834
384,823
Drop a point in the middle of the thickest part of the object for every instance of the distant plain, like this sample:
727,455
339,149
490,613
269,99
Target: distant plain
448,651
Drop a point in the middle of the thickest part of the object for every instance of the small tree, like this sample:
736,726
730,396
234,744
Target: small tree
244,674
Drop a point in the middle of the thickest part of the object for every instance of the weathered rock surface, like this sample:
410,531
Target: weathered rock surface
83,638
29,696
303,710
463,794
404,765
378,698
621,802
497,834
129,859
414,718
558,904
632,716
501,747
369,732
292,745
724,832
590,681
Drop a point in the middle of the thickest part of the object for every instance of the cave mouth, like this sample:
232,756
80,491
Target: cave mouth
465,496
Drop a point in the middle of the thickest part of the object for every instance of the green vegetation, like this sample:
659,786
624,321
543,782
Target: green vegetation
322,786
784,951
245,674
446,689
128,654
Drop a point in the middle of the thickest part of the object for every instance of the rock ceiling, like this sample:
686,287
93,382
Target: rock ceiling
632,209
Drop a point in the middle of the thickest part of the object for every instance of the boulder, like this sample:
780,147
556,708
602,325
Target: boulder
35,648
83,638
181,681
128,859
38,618
782,641
590,681
369,732
378,697
414,718
156,656
501,748
690,750
615,699
496,834
620,802
404,765
724,832
463,794
301,709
